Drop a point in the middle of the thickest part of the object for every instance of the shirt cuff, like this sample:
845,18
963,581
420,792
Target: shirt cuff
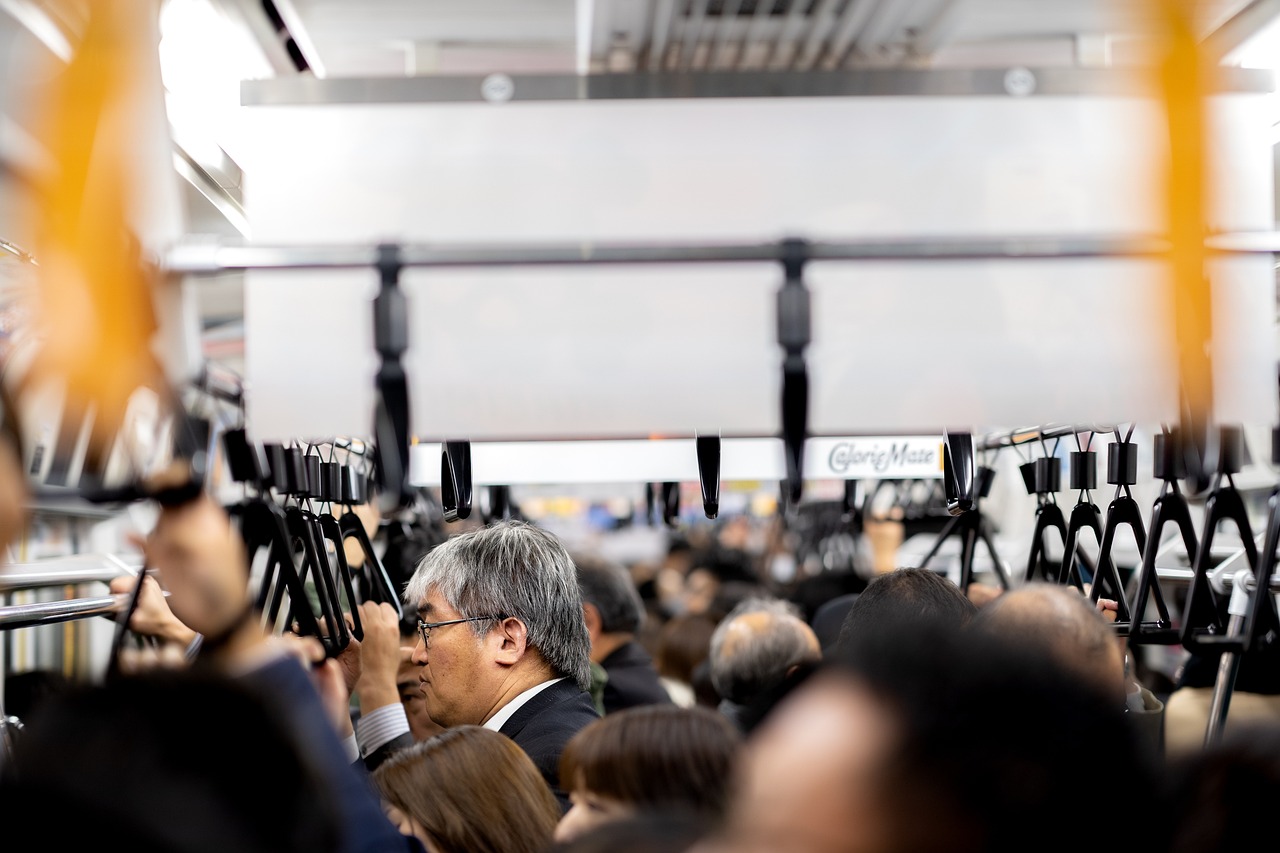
350,747
380,726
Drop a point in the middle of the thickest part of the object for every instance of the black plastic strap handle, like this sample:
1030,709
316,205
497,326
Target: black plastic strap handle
794,335
391,339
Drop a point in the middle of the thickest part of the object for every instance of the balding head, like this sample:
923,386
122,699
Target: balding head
1064,625
757,646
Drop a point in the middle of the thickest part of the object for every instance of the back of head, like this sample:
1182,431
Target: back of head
608,587
471,789
756,647
908,597
1060,622
1000,746
177,762
513,569
656,758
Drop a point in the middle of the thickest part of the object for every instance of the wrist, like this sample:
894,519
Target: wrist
178,634
376,693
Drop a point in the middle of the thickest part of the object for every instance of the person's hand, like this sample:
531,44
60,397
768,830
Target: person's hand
379,656
152,616
1109,609
350,659
326,675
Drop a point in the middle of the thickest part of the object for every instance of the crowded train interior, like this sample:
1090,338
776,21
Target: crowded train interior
643,426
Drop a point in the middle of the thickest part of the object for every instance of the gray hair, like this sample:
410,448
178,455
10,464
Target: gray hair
512,569
759,656
609,587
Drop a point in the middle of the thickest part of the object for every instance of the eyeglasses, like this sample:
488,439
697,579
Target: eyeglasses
424,628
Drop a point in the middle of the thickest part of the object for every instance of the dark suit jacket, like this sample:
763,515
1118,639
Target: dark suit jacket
286,686
633,680
544,724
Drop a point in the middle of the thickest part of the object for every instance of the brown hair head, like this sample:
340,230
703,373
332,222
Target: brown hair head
656,758
473,790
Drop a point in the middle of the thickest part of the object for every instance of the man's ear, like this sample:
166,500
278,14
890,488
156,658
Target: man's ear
595,625
509,641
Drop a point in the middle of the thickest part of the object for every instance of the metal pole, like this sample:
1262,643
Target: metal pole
1180,575
46,613
211,259
65,571
1025,435
1229,663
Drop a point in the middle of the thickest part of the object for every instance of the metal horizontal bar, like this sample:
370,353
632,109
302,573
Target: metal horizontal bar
303,90
210,258
1180,575
62,571
1026,435
17,616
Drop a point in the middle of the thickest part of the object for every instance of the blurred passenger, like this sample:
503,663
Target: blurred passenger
652,759
169,762
1222,796
1062,623
904,597
613,612
684,644
758,653
814,591
935,740
25,692
469,790
829,619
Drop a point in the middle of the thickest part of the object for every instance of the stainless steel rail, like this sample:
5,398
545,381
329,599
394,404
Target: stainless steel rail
49,612
63,571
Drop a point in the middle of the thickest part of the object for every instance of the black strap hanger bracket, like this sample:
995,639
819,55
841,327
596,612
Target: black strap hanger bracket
708,450
794,336
391,340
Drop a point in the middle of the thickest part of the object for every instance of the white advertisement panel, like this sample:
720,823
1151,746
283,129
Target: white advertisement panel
595,352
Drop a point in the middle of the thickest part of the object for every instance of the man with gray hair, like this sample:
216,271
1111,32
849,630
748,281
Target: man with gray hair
759,651
614,613
501,639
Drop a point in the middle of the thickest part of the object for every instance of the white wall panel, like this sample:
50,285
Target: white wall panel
596,352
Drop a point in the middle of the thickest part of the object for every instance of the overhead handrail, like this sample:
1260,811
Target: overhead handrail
206,258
